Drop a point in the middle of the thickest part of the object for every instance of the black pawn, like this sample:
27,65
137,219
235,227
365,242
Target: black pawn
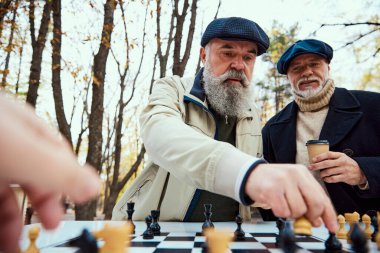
375,228
280,223
148,234
204,247
239,233
288,240
359,241
130,211
86,242
332,244
208,223
155,227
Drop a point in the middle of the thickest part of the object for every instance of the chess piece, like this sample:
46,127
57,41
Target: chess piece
375,225
148,234
356,216
239,232
287,239
332,244
86,242
342,232
116,239
205,247
358,239
280,224
208,223
130,211
302,226
351,218
217,240
33,235
367,230
155,227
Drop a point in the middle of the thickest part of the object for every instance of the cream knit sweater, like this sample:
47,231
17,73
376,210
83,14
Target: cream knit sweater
310,118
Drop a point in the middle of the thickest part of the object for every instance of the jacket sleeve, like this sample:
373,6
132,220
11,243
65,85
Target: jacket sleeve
371,169
267,148
186,153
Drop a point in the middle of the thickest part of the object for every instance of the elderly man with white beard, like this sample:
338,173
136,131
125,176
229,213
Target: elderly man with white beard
348,120
203,140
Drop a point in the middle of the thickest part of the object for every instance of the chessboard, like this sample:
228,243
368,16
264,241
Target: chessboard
187,242
180,237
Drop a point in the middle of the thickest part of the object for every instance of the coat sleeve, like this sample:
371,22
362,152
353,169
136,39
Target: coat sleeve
186,153
371,169
267,147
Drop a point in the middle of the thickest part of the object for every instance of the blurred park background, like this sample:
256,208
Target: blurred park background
88,66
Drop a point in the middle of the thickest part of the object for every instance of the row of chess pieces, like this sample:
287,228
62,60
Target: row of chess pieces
357,235
353,220
116,239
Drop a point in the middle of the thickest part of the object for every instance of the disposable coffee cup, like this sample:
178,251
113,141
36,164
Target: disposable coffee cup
316,147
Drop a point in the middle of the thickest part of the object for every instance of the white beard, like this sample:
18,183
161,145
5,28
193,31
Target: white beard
310,92
225,98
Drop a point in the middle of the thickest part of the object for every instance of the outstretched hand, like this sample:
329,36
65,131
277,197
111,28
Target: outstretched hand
291,191
42,164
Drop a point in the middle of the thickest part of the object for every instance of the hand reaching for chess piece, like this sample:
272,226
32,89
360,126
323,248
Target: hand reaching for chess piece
43,164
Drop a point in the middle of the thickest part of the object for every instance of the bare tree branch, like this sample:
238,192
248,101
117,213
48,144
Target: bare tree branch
10,46
38,48
63,126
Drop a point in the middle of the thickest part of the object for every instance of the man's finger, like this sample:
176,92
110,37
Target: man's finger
325,156
10,219
47,205
329,217
330,172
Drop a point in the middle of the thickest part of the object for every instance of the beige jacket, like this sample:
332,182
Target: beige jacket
188,151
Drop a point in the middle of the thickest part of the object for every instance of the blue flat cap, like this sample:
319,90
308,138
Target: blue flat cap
235,28
309,46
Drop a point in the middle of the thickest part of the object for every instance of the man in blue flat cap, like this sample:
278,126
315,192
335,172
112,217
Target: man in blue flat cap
203,138
348,120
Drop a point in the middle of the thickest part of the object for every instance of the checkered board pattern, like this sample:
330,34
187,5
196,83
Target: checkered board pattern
188,242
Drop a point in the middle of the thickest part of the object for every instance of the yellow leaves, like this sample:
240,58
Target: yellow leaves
56,66
96,81
4,72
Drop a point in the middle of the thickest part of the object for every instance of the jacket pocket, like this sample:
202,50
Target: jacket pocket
140,187
251,144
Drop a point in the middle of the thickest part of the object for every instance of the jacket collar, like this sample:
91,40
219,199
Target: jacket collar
197,90
344,113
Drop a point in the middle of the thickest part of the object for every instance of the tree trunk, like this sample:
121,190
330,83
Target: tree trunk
10,46
38,48
4,9
163,58
64,127
88,211
179,63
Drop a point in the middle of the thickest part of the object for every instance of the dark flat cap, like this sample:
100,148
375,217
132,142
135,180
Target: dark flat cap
235,28
309,46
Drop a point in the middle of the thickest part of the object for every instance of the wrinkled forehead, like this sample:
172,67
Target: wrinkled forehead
248,46
305,58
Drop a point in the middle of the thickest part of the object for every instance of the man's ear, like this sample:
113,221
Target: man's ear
202,54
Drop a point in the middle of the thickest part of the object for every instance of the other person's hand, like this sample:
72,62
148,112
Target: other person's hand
291,191
337,167
42,164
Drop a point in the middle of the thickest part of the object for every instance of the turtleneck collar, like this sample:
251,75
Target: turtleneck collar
317,101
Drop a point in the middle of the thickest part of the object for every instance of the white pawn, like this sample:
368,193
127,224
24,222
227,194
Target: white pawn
342,232
33,234
367,230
